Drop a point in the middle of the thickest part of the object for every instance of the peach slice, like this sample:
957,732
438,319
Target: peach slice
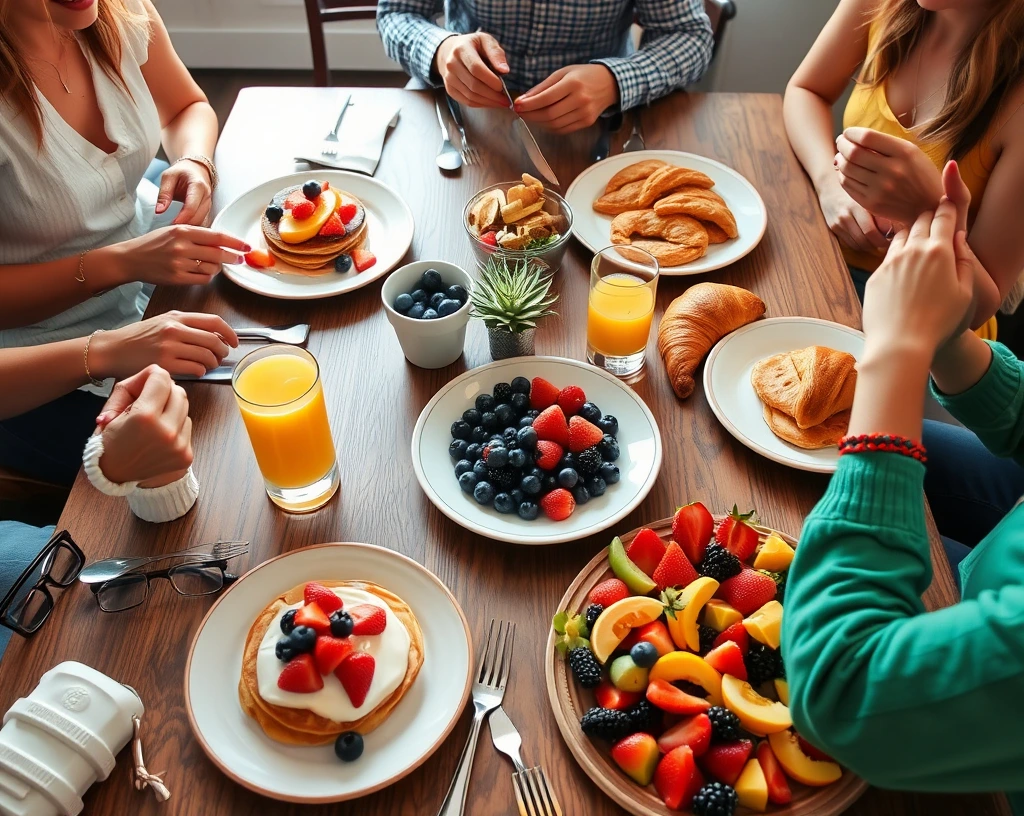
293,231
615,622
757,714
719,615
765,625
798,765
689,667
782,689
682,624
752,787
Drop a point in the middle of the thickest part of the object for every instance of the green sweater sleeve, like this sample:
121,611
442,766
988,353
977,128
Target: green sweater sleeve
906,698
994,407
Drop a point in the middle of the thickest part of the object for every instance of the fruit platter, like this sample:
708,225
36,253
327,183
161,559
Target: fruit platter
665,676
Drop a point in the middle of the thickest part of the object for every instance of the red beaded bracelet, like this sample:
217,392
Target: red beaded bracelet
885,443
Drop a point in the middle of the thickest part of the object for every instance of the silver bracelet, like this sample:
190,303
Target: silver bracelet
206,162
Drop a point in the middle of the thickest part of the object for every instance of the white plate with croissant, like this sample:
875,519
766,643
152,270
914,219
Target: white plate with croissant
691,213
784,387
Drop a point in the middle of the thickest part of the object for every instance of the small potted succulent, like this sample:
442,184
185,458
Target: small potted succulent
510,296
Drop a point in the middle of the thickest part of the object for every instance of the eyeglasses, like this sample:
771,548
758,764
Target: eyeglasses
132,589
29,602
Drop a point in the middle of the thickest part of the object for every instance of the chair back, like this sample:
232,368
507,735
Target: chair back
719,12
319,12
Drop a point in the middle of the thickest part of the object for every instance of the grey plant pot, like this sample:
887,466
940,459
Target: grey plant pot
505,344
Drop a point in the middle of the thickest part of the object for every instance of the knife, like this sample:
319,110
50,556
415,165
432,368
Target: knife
220,374
533,150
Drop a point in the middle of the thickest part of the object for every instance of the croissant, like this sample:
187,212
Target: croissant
695,321
809,384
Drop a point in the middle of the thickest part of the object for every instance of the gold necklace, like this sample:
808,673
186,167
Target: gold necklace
56,70
917,85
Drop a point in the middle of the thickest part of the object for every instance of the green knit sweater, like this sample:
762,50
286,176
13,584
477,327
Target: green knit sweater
906,698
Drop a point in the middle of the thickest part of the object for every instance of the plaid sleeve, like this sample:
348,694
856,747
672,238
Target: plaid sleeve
675,51
409,36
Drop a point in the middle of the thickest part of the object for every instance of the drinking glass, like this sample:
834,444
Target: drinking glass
281,398
623,286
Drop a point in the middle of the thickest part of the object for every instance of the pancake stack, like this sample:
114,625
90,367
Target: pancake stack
318,250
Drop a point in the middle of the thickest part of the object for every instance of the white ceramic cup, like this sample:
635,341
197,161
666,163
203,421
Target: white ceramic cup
427,343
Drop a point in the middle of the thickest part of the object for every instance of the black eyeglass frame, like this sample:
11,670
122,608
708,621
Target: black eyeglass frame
58,540
226,579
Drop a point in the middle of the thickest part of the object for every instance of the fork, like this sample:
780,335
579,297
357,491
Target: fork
469,154
636,139
109,568
331,142
488,692
533,793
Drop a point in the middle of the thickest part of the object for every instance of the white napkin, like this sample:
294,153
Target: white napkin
361,138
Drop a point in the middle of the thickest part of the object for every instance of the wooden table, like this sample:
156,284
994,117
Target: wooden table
374,397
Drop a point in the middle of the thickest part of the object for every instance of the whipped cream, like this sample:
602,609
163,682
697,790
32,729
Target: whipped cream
390,650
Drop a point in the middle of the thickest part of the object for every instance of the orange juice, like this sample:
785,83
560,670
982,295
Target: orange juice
619,314
282,403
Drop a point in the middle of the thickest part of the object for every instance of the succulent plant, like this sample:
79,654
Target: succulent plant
512,295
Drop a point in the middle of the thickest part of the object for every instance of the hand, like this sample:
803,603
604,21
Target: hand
851,223
466,64
190,183
179,342
890,177
176,255
147,433
570,99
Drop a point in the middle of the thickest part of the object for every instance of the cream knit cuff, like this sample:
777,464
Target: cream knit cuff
165,503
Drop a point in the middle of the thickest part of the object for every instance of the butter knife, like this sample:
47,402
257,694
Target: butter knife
220,374
533,150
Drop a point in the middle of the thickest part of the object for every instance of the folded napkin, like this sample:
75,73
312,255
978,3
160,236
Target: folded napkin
360,139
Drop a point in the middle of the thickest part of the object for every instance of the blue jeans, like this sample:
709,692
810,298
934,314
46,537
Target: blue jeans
19,544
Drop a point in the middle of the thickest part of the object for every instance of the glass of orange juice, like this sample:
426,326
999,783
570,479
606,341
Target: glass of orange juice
623,286
281,398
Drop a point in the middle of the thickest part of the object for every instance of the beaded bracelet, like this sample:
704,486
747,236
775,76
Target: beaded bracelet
884,443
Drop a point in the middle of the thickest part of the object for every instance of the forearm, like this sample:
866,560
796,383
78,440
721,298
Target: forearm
961,363
808,120
410,37
193,131
891,387
35,375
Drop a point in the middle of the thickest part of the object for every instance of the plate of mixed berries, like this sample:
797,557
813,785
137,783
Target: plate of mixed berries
666,679
536,450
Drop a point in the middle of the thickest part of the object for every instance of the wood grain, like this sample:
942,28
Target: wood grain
373,398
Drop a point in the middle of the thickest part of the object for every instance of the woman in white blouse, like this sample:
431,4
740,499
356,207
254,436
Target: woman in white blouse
89,90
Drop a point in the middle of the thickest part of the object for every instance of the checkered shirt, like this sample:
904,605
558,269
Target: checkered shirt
541,36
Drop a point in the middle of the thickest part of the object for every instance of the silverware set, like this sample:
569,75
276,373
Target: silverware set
331,142
448,157
469,154
110,568
295,335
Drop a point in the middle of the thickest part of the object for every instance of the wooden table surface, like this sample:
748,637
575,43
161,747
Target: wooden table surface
374,397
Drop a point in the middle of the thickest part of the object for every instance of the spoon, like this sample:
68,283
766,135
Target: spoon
448,158
110,568
292,335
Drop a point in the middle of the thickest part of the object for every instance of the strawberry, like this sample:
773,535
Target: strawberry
582,434
656,633
329,652
675,569
608,696
691,530
725,761
363,259
347,211
814,753
570,400
303,209
778,788
558,504
259,258
313,616
300,676
608,592
332,226
693,731
737,633
646,550
748,591
356,674
368,619
490,238
727,659
736,534
548,454
668,698
543,394
678,778
293,199
637,755
322,597
551,426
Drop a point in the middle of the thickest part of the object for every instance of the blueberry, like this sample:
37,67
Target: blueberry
517,496
429,314
609,472
448,307
485,402
302,638
520,403
288,621
530,485
472,416
467,481
343,263
567,478
479,435
568,461
311,189
521,385
416,311
463,466
534,471
490,420
644,654
457,450
608,424
526,422
474,451
590,412
419,296
528,510
498,457
274,213
284,650
403,303
503,503
483,493
527,438
457,292
341,624
533,413
549,483
581,494
349,746
461,429
435,300
497,440
596,486
529,459
505,414
431,281
480,469
608,448
511,436
517,457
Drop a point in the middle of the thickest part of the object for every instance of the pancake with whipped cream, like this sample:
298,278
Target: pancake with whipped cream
318,717
315,239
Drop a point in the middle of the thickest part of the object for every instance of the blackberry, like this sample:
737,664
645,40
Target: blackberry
607,723
725,726
644,717
502,392
780,583
503,477
584,667
715,799
763,663
588,462
708,634
719,563
592,612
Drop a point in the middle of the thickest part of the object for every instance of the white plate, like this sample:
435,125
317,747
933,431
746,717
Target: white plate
592,228
389,236
736,404
414,730
638,437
